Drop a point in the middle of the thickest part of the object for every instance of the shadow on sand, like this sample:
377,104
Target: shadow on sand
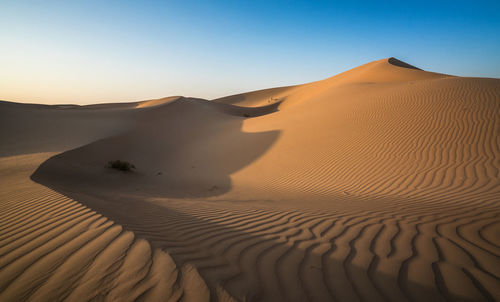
259,254
185,149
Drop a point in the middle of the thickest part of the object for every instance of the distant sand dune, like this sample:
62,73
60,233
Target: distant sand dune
379,184
157,102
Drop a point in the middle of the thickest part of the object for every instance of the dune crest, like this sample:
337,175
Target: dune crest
399,63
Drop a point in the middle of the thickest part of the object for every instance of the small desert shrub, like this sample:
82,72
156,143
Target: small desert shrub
120,165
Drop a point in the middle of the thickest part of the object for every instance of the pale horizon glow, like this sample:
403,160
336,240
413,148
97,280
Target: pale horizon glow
85,52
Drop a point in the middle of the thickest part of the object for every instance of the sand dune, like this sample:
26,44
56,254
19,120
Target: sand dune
379,184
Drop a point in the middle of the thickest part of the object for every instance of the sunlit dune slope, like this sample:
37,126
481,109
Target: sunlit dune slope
381,129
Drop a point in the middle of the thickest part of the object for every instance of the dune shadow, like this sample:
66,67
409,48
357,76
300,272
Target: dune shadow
261,254
399,63
248,111
187,148
263,94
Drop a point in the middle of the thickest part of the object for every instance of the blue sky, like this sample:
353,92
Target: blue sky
113,51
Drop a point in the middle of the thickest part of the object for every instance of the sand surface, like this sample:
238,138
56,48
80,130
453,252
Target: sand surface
378,184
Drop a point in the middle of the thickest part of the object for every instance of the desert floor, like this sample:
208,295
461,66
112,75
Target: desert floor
381,183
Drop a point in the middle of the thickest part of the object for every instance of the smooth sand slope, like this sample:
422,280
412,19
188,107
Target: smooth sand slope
380,183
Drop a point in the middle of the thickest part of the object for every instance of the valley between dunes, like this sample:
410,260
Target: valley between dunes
381,183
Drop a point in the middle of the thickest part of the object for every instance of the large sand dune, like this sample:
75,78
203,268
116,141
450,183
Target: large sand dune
380,183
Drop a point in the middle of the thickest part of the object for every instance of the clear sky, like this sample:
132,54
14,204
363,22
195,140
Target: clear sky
90,51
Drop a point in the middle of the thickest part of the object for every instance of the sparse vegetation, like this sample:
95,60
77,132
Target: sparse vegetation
121,165
246,115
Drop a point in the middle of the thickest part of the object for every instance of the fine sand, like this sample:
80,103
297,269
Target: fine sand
378,184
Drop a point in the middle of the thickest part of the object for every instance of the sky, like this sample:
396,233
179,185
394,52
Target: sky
84,52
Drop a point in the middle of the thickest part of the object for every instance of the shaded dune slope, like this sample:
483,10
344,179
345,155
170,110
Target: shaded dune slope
380,183
255,98
53,248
